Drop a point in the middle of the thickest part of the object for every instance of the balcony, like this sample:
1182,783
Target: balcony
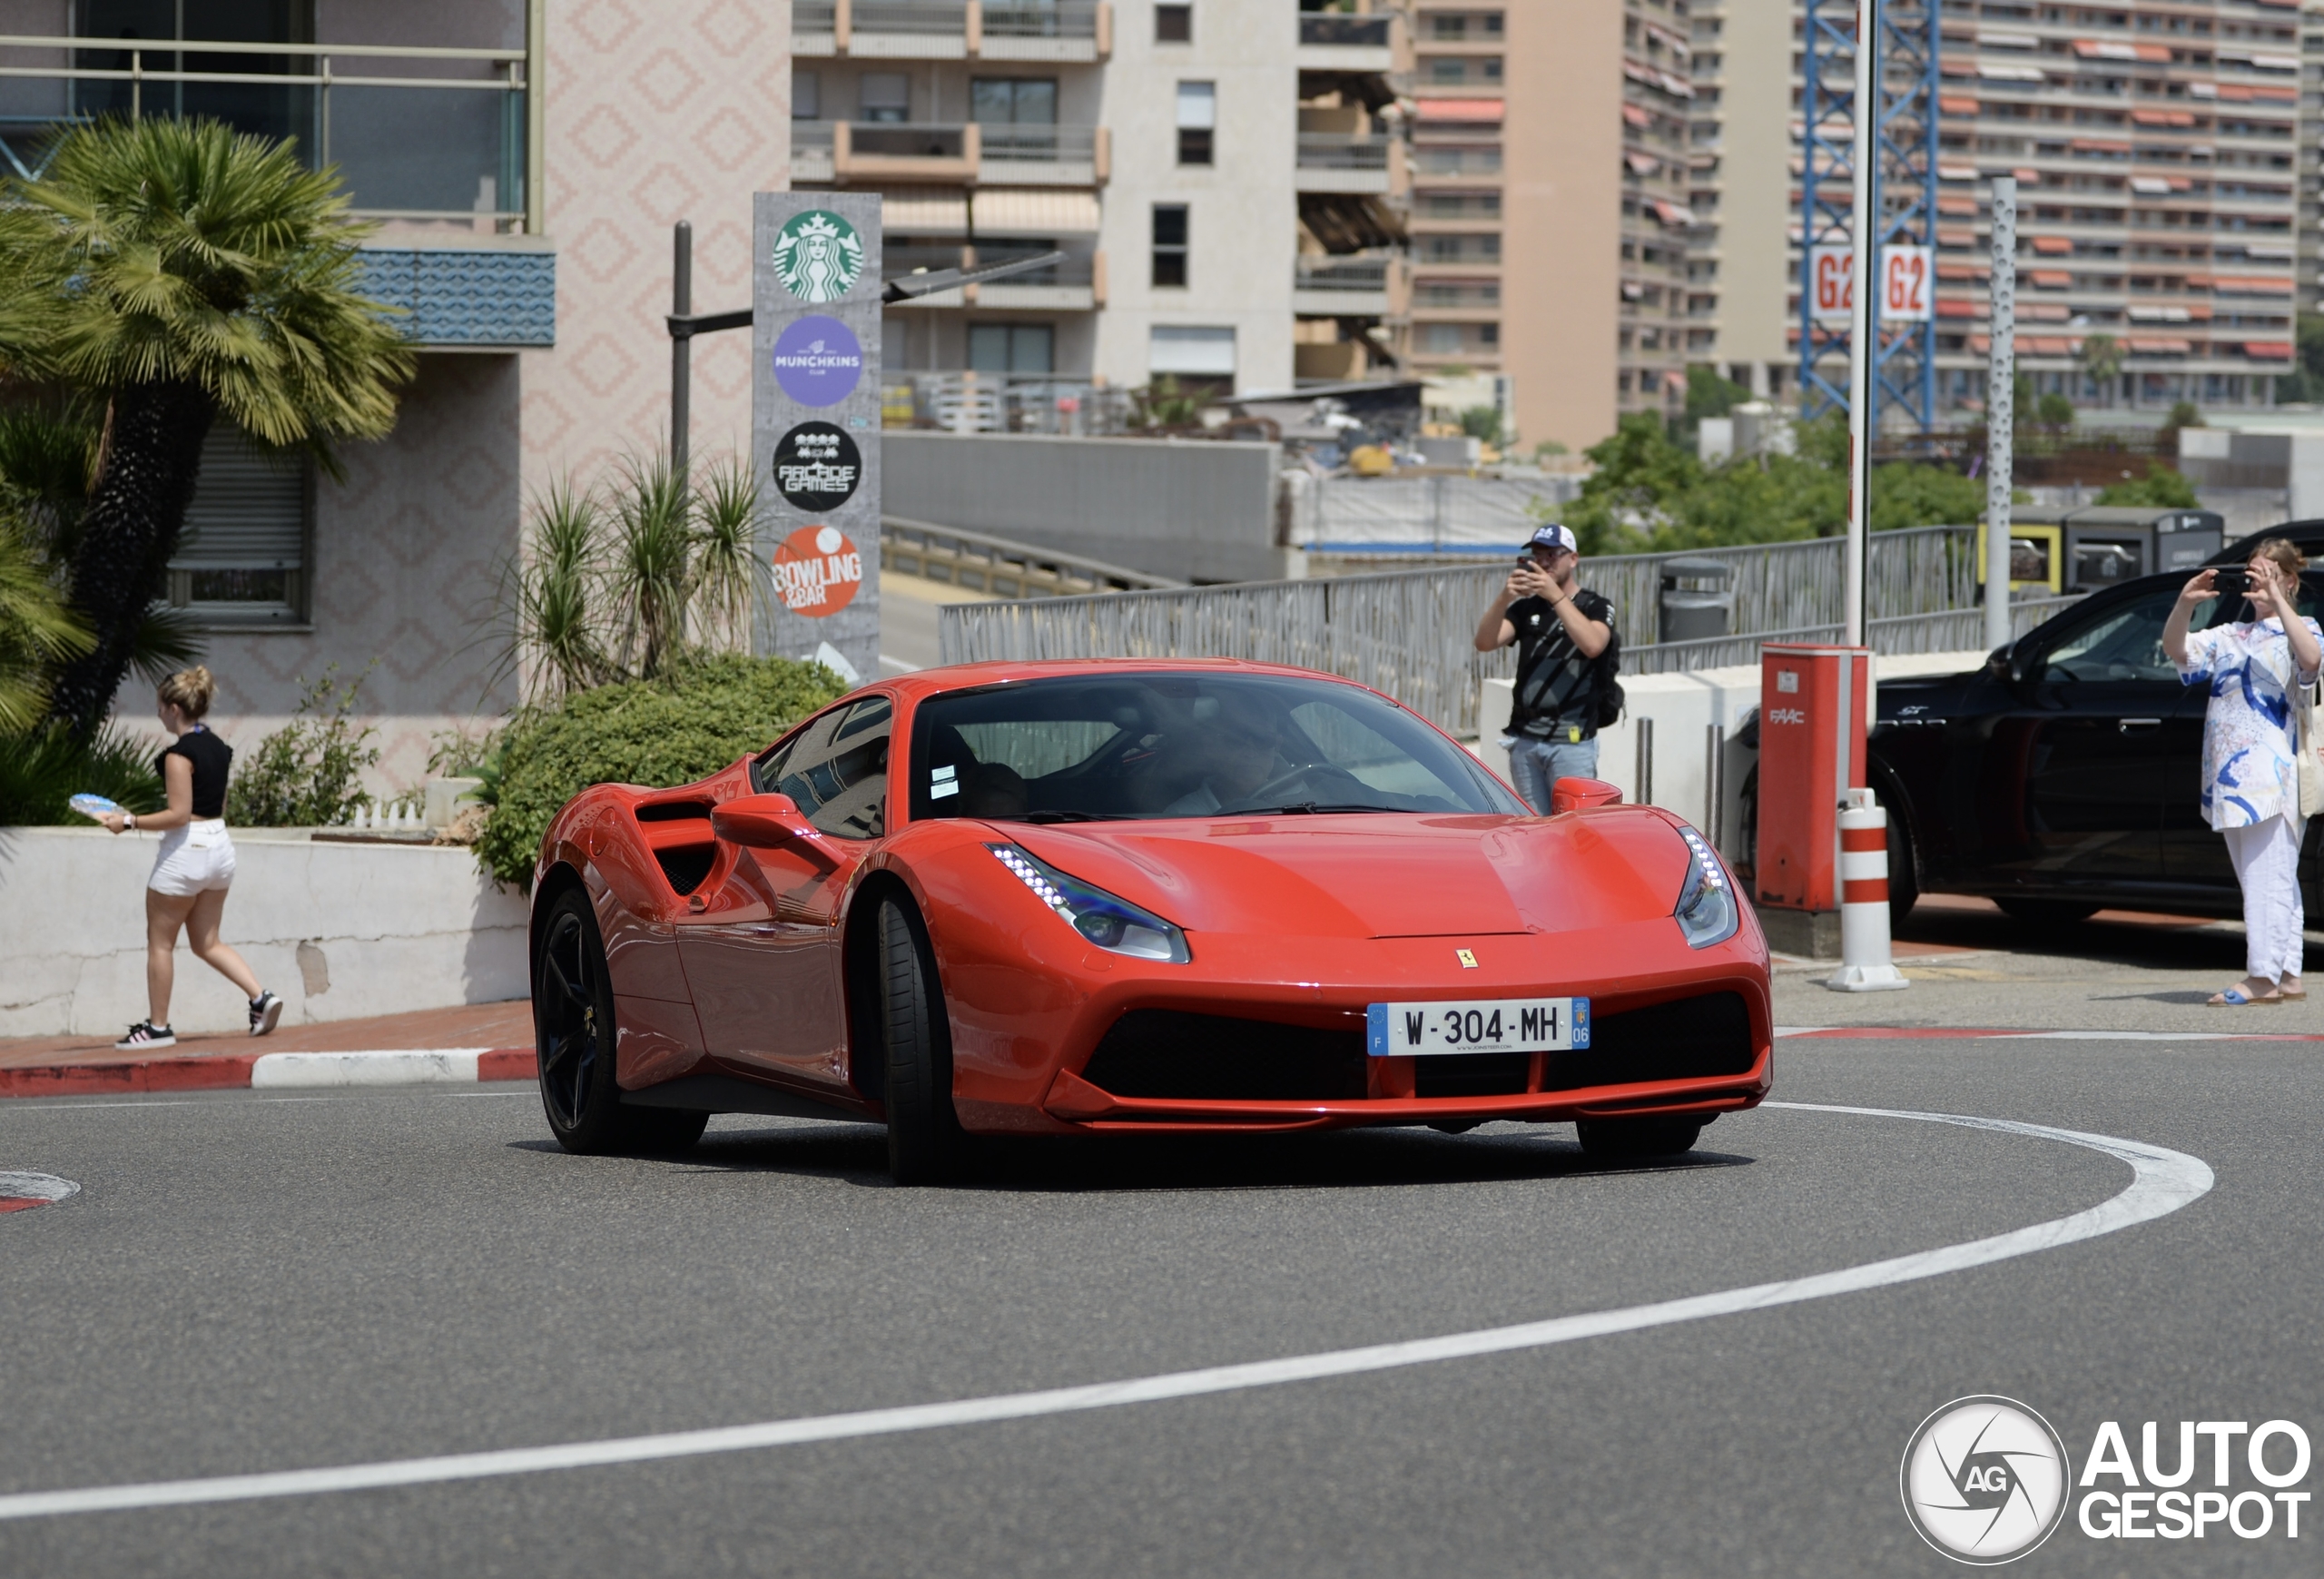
418,133
1053,32
1330,287
1347,161
1074,284
948,154
1334,43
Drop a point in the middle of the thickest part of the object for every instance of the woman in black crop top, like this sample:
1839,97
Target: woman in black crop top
194,866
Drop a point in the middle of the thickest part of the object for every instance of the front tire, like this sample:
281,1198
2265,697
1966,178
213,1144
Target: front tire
1630,1140
574,1038
925,1141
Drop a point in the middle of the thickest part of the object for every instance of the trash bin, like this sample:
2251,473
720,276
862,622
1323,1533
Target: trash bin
1697,598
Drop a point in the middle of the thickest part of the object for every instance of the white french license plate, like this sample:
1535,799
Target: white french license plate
1479,1025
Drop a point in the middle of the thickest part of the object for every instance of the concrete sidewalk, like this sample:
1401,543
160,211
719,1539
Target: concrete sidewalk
1972,966
477,1041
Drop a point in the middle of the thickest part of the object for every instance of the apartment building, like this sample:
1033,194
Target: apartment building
1221,175
1742,147
524,160
1551,217
2156,150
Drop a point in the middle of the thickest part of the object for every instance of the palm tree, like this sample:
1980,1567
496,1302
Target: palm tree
2101,360
181,270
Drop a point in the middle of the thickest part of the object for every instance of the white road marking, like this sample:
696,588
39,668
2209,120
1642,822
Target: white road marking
2162,1181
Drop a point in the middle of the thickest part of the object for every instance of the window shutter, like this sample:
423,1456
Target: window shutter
248,514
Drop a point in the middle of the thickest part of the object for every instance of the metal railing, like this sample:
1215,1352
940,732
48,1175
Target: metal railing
1411,633
1367,274
924,17
417,132
1061,19
813,16
1018,144
1000,566
1429,159
1359,32
906,139
1342,151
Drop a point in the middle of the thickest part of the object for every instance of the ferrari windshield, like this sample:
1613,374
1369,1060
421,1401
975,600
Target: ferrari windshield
1159,744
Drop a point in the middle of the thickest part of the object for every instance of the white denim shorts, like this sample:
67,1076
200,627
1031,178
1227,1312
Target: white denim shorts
194,858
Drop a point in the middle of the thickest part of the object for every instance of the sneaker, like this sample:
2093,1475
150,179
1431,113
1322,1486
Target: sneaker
266,1013
146,1034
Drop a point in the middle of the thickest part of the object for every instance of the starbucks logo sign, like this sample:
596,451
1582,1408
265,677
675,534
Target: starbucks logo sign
818,256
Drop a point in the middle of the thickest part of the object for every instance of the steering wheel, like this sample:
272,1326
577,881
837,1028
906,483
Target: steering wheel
1273,792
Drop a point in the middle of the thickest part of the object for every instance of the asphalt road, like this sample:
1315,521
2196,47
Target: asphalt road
249,1283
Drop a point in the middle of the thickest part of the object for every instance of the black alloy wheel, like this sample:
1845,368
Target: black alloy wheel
2047,912
925,1141
1628,1140
574,1032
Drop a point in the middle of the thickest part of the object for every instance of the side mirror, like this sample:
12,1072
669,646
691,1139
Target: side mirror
764,821
1574,794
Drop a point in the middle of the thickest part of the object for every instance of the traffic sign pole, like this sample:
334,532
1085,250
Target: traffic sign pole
1863,342
2001,410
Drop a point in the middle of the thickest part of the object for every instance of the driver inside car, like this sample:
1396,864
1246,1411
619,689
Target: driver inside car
1230,751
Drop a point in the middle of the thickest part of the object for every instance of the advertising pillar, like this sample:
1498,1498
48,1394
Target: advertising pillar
815,424
1811,754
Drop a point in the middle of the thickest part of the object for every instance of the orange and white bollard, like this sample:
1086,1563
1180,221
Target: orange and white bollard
1865,963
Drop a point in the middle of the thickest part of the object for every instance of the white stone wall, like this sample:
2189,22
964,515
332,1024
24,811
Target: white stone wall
341,930
1243,217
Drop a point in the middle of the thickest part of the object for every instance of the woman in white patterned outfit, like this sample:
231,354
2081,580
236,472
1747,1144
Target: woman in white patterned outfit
194,867
2257,670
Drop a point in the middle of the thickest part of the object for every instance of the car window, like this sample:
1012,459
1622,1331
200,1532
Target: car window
836,769
2125,642
1165,745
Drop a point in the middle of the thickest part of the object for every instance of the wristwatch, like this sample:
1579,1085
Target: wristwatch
128,820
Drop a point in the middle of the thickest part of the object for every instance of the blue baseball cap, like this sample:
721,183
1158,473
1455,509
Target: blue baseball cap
1555,537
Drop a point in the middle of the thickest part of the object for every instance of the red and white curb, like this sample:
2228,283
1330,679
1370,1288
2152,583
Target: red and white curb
22,1191
273,1070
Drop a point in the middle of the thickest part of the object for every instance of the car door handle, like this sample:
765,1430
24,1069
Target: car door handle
2127,725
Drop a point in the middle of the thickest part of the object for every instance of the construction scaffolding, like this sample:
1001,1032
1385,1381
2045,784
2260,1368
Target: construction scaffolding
1903,196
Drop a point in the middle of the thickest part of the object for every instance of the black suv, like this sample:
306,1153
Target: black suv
2064,776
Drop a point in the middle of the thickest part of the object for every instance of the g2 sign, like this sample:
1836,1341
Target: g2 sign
1831,283
1907,284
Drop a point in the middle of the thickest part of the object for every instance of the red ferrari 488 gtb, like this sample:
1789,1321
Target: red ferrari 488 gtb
1103,897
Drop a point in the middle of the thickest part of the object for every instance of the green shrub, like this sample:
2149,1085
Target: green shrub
41,769
307,774
2162,487
651,732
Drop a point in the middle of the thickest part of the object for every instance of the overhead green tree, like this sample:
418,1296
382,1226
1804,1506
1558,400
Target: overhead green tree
179,271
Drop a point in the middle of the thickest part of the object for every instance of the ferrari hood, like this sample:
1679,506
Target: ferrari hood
1376,876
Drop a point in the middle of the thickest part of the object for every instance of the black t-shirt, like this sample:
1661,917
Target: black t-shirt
1557,687
211,757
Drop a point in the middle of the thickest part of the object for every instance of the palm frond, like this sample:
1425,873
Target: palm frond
729,581
37,630
650,568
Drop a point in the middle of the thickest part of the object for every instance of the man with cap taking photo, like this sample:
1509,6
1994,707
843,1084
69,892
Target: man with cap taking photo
1566,658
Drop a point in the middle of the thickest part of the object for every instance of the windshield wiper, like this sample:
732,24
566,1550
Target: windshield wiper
1064,817
1304,809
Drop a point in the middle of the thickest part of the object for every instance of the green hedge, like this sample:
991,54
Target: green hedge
659,733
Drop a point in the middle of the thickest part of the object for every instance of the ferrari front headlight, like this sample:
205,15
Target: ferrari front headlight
1708,910
1112,923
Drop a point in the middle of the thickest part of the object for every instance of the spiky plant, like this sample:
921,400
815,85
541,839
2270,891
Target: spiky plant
650,568
182,272
551,598
729,580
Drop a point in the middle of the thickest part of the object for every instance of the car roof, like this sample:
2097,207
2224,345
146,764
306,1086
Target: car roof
921,683
2308,537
